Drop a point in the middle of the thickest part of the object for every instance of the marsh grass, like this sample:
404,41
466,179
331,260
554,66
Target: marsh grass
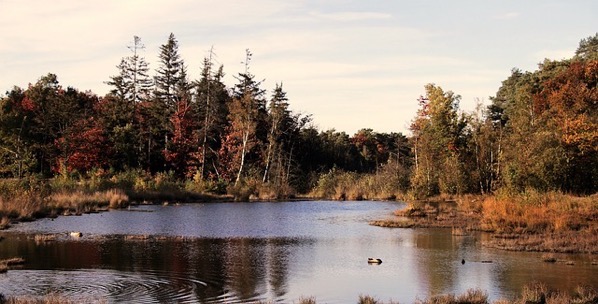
47,299
529,221
342,185
13,261
41,238
533,293
6,264
32,198
548,258
4,222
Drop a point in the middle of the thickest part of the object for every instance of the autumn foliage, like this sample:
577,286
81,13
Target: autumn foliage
539,132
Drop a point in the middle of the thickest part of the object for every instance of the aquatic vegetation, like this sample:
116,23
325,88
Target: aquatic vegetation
548,258
40,238
6,264
533,293
530,221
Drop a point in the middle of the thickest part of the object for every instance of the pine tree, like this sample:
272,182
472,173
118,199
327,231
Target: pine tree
171,78
211,101
139,69
132,84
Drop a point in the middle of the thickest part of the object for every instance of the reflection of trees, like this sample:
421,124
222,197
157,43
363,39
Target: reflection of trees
240,268
436,261
277,253
245,268
255,267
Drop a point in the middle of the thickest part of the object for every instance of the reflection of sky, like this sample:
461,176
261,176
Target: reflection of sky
320,250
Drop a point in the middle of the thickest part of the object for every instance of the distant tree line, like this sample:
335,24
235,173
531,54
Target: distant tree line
540,131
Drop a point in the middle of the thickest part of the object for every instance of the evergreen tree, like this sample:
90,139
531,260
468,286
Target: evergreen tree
171,79
211,101
132,84
121,108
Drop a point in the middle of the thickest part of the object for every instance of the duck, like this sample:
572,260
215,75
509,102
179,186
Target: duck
76,234
374,261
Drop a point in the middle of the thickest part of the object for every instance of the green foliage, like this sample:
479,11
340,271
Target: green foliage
588,48
439,145
539,132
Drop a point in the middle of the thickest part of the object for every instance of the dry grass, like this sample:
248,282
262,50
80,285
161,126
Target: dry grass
28,205
84,201
441,213
471,296
308,300
48,299
531,221
549,258
365,299
533,212
13,261
533,293
24,206
6,264
40,238
4,223
134,237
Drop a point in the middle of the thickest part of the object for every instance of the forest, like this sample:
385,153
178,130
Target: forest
539,132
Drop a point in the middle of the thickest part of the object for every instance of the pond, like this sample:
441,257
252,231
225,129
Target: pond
275,252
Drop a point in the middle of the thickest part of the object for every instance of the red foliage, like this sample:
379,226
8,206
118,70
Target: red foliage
83,148
28,105
183,153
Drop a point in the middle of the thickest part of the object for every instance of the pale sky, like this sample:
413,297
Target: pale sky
351,64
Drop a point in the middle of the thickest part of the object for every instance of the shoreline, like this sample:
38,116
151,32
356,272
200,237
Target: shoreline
546,222
557,224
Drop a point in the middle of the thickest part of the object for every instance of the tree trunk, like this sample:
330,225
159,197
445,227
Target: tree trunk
243,152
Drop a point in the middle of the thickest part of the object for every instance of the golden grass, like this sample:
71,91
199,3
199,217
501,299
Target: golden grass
47,299
530,221
539,213
533,293
31,204
40,238
6,264
549,258
80,200
13,261
4,223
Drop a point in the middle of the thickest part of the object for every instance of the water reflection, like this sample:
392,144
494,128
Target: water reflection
294,250
165,269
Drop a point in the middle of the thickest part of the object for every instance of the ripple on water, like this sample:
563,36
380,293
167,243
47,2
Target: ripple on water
99,285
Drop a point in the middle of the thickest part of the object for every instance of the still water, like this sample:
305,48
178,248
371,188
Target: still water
276,252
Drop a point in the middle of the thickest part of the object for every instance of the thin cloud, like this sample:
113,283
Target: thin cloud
351,16
507,16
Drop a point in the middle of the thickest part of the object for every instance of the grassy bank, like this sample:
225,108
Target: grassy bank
529,221
30,198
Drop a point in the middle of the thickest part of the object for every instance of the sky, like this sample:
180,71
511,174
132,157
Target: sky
351,64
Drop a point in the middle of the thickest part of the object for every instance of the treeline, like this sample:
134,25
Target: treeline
540,131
